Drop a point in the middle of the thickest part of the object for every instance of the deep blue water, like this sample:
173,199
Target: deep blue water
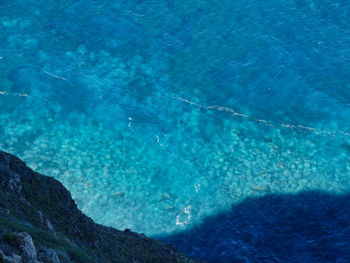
308,227
159,114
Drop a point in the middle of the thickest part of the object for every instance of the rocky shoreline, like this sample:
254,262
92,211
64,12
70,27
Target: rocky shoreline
40,222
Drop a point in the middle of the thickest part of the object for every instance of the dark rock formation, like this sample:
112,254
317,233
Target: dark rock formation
26,246
40,221
48,255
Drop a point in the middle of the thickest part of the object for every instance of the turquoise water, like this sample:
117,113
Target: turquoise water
158,114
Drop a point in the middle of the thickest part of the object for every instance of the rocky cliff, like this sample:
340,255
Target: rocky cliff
40,222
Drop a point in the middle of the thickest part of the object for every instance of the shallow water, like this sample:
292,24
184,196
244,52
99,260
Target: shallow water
158,114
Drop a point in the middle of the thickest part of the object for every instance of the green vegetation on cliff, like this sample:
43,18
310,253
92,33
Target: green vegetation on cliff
40,206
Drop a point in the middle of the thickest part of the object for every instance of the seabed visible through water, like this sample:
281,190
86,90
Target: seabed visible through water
158,115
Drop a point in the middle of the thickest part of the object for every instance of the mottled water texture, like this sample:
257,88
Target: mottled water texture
157,114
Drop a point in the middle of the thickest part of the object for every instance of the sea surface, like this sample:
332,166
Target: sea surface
158,114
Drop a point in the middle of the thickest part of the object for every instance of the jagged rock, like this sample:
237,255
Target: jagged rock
2,256
10,259
68,230
48,255
40,216
26,246
50,227
9,178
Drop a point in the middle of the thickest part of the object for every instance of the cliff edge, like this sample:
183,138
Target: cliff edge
40,222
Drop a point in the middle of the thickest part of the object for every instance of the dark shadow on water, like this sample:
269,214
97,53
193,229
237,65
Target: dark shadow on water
303,228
